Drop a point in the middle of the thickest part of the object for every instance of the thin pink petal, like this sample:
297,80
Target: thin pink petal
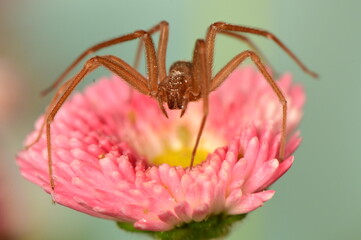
250,202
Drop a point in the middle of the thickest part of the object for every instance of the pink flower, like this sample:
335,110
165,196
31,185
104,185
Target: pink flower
113,151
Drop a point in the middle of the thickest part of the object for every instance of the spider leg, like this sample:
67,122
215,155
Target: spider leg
201,78
118,67
152,70
226,70
51,105
115,65
163,28
250,44
221,27
87,52
161,54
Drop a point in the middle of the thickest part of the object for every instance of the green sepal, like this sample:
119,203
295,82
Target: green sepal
130,228
210,228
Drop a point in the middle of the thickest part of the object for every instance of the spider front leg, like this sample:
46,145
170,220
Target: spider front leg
151,65
201,84
225,72
163,29
114,64
98,47
117,66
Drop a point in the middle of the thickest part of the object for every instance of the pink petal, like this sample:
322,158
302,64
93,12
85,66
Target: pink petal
250,202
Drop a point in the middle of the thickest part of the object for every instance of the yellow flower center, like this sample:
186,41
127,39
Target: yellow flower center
181,156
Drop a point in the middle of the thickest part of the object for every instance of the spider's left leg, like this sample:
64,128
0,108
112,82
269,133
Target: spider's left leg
226,71
200,86
250,44
219,27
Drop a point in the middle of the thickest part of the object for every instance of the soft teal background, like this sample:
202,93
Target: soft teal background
319,198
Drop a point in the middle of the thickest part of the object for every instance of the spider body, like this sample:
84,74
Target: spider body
186,81
176,89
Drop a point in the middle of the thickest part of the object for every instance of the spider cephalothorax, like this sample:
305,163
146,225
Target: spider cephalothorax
186,81
176,88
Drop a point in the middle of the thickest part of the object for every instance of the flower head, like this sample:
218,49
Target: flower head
115,155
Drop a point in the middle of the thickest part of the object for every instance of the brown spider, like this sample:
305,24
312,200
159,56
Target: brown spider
186,81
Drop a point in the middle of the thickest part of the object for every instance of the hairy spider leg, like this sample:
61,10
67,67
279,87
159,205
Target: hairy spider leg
236,61
161,52
201,79
221,27
163,28
115,65
250,44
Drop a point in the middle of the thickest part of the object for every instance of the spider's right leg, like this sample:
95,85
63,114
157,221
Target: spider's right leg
163,28
89,51
151,64
117,66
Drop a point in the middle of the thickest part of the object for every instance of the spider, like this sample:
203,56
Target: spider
187,81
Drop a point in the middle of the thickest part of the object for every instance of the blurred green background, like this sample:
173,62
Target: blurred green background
319,198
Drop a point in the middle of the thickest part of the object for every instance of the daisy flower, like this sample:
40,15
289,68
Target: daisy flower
116,156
